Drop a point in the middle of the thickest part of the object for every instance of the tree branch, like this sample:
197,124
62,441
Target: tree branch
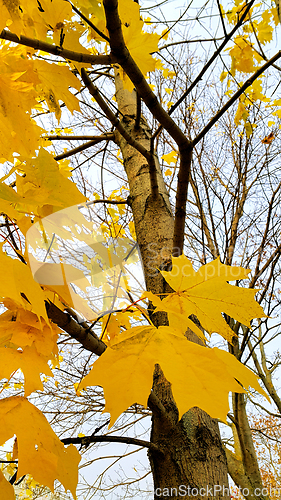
86,440
83,147
56,50
265,377
121,54
80,332
181,198
98,138
111,202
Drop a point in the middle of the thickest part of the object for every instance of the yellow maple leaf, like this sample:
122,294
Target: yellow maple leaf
168,172
21,286
170,157
15,103
71,33
44,188
30,363
243,55
264,28
40,452
126,368
55,81
27,331
207,294
32,19
111,325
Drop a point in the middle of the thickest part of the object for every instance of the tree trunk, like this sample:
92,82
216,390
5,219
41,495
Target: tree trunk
193,454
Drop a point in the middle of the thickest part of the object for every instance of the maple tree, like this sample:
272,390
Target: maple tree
98,64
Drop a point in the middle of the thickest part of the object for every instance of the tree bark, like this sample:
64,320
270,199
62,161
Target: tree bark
193,453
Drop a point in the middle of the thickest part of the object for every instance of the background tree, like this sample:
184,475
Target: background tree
232,205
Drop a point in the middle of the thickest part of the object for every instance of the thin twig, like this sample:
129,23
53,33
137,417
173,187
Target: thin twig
87,21
234,98
195,40
209,63
222,19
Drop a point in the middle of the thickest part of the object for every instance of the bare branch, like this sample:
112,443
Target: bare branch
234,98
213,58
98,138
87,145
86,440
181,197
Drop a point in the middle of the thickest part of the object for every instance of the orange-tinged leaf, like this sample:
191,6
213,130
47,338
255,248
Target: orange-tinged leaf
126,368
6,489
207,294
268,139
40,452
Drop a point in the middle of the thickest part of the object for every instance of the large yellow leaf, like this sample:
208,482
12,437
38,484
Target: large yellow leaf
40,452
207,294
199,376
